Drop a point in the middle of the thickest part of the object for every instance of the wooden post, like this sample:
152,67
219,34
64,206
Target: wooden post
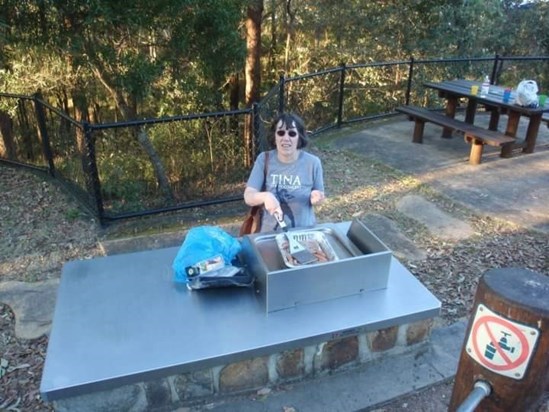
494,117
511,130
419,128
471,111
477,147
532,133
451,105
507,342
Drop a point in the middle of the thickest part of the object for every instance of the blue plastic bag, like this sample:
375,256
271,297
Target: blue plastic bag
202,243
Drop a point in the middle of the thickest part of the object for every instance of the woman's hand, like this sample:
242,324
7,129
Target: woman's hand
271,204
254,197
317,197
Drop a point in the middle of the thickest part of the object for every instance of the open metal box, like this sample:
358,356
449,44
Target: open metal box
363,264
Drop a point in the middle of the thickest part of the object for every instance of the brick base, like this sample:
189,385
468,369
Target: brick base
256,373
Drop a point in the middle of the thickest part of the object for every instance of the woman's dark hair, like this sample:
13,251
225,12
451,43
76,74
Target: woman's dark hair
290,120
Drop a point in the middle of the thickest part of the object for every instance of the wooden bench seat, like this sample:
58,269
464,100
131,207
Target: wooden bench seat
476,136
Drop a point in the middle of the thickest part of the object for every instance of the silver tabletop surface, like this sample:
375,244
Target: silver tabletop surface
121,319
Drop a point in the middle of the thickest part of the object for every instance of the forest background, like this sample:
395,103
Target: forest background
107,61
101,61
167,57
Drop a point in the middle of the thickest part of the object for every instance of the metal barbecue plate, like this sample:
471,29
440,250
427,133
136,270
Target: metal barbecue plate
269,246
314,241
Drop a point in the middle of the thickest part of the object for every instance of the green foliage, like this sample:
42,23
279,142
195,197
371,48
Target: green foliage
119,61
204,159
125,178
72,214
127,50
172,56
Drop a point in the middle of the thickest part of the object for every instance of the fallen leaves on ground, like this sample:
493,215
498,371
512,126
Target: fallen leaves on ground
42,228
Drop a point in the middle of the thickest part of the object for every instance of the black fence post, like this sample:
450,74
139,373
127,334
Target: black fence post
494,70
341,91
256,126
43,130
92,174
281,86
410,77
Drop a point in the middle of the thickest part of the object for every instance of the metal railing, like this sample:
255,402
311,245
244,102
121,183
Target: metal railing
115,169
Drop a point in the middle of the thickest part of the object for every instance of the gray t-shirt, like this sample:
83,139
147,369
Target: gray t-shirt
292,184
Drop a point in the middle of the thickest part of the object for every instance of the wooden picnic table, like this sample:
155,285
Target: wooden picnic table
454,90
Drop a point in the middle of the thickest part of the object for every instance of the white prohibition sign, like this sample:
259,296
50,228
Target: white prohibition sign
501,345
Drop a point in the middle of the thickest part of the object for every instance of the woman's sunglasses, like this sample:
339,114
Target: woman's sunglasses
291,133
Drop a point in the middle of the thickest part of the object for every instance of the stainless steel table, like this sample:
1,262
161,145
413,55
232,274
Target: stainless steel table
121,319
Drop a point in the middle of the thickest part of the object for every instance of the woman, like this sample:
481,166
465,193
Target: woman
294,182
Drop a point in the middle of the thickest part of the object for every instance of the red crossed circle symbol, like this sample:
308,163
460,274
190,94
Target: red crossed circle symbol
508,363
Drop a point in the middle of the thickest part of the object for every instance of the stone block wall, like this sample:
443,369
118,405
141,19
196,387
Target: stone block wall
335,355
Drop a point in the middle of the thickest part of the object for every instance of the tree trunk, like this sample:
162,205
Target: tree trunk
253,70
234,100
273,45
234,92
290,34
160,172
27,133
7,144
64,125
81,116
142,137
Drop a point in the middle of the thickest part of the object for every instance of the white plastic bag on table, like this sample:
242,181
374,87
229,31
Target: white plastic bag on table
527,93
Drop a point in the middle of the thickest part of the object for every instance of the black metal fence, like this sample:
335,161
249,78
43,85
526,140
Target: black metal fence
128,169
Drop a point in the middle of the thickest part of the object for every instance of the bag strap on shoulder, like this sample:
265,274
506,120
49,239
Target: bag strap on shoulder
265,171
